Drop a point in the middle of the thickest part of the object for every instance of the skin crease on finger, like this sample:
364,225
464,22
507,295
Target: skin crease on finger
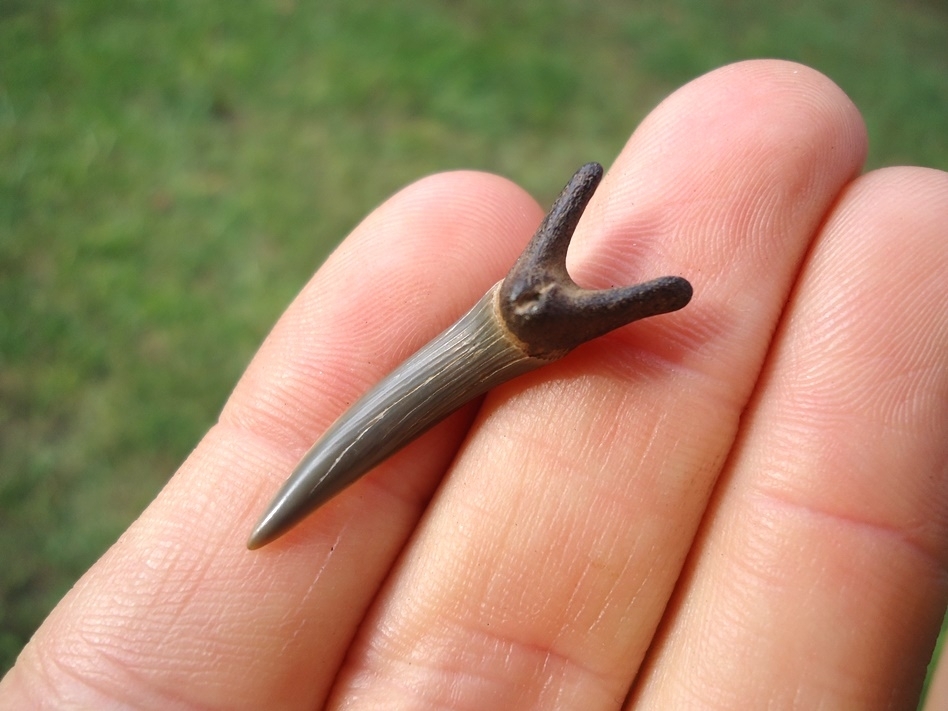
530,583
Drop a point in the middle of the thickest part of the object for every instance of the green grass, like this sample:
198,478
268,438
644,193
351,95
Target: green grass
171,173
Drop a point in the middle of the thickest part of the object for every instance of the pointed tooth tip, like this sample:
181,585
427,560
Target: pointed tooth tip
258,539
266,531
290,505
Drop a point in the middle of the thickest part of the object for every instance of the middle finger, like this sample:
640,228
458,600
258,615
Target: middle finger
545,563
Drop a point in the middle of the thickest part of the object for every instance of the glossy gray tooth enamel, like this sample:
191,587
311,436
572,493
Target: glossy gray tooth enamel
534,316
467,360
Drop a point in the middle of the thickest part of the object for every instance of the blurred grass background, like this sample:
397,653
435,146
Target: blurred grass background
173,171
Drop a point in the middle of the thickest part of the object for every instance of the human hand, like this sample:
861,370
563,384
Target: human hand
740,505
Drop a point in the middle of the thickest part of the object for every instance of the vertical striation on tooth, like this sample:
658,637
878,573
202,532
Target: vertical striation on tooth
534,316
468,359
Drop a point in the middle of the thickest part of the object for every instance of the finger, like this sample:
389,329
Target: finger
179,613
822,567
544,564
936,696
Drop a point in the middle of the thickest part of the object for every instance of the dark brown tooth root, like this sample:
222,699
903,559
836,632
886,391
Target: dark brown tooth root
534,316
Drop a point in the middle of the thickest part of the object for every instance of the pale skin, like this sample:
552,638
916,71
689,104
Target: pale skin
743,504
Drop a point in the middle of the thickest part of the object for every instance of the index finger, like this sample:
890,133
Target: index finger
179,612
